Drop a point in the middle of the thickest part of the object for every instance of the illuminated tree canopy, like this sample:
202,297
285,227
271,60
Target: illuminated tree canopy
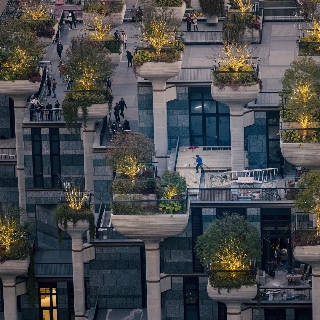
227,249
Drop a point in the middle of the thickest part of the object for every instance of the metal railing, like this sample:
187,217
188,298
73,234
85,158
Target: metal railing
54,114
8,154
272,294
243,194
136,206
176,154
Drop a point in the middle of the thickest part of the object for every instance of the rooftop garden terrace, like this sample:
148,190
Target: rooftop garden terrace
309,44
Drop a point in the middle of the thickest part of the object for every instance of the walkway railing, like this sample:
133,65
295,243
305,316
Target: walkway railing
242,194
272,294
8,154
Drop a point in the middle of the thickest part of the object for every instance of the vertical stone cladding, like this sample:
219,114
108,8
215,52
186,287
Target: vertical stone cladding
208,307
4,117
9,185
178,118
145,110
256,141
115,277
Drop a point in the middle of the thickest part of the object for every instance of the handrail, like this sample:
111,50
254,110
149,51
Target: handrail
98,223
176,154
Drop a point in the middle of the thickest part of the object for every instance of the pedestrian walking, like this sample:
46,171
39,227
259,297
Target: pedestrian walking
74,19
59,48
117,112
116,35
189,21
49,86
69,19
108,83
123,105
54,88
38,111
124,39
195,22
129,57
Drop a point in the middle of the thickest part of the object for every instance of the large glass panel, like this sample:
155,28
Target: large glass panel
196,106
207,93
224,131
45,300
196,126
223,108
55,314
195,92
54,300
211,131
46,315
210,106
273,132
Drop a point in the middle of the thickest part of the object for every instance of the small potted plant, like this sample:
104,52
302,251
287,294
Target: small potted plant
228,250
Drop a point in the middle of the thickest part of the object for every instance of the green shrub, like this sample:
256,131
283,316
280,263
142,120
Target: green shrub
169,3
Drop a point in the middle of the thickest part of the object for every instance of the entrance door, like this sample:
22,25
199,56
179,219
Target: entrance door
48,301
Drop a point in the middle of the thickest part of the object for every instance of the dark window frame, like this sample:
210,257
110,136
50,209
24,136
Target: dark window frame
37,157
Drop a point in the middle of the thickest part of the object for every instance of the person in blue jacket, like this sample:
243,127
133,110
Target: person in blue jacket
199,163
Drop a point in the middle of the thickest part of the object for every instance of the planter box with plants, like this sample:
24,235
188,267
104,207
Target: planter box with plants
113,12
228,250
177,7
300,135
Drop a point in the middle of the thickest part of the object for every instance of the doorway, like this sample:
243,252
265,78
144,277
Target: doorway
48,301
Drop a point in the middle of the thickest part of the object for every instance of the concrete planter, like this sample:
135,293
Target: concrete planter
150,227
178,12
18,89
233,299
244,293
308,254
159,70
301,154
45,41
13,268
212,20
115,19
81,226
239,96
116,57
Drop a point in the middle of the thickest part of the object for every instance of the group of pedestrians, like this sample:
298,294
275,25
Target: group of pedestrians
40,112
119,109
192,19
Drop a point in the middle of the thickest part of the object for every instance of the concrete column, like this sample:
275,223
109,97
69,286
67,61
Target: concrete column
10,297
237,140
19,112
315,292
153,279
233,310
76,232
160,123
236,99
88,134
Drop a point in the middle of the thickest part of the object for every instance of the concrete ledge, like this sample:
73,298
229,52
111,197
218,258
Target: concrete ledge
14,268
308,254
19,88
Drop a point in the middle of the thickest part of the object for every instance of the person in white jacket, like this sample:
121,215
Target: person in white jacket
124,39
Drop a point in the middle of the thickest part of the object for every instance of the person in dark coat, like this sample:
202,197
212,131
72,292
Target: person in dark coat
126,125
123,105
49,86
129,57
59,48
114,128
117,112
49,108
108,83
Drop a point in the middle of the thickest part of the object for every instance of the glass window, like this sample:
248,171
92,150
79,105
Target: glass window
196,126
195,92
48,302
223,108
207,93
211,131
224,131
210,106
196,106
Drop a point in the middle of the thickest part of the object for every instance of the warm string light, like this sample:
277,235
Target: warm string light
171,191
75,198
89,75
235,58
8,233
158,35
315,32
35,10
101,30
130,166
231,257
243,6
